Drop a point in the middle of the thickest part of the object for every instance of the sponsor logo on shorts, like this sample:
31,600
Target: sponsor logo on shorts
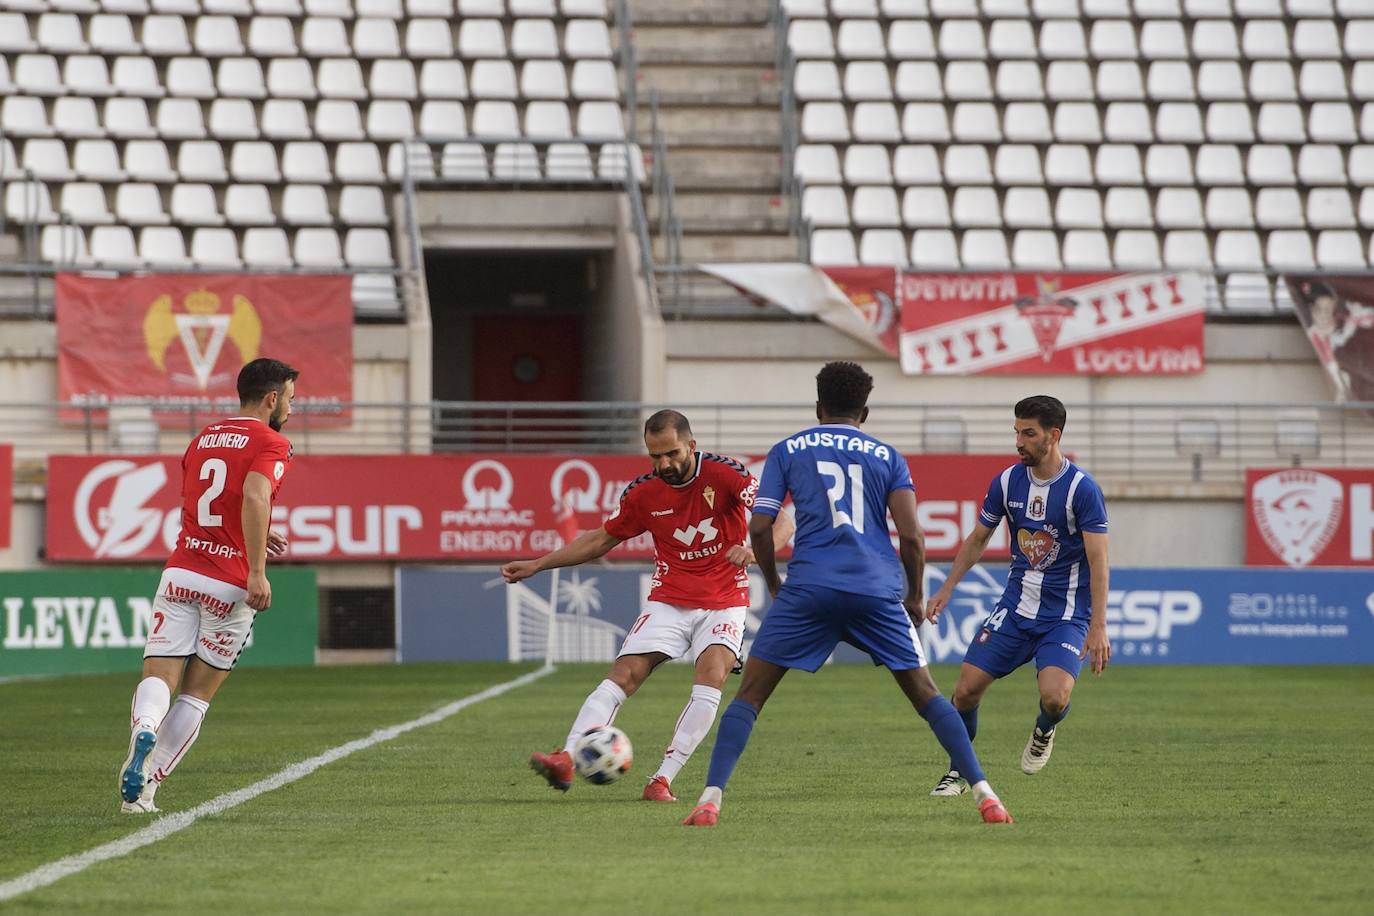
727,629
181,595
1072,648
985,635
216,648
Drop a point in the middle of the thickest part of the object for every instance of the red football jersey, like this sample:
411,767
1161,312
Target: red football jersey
694,524
213,470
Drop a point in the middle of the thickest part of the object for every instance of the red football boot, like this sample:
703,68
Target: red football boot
993,812
658,790
703,816
557,768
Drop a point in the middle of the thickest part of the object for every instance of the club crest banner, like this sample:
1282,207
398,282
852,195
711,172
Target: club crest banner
180,339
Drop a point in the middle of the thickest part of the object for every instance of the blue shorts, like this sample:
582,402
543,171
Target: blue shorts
807,622
1001,648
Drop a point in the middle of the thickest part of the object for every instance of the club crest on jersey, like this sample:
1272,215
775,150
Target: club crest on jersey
710,494
1036,510
1040,548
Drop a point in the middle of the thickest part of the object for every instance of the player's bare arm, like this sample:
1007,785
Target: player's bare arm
742,555
257,515
761,527
588,546
970,552
1098,647
911,547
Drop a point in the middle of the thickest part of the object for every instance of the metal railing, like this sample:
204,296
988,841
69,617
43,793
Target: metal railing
1122,442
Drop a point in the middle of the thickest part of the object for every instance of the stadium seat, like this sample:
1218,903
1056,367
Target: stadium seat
1229,122
392,79
240,77
325,37
833,247
1289,249
1113,39
368,248
1320,164
84,203
248,205
363,206
1278,208
443,79
1117,164
1016,80
1078,208
1238,250
1170,81
1219,164
28,202
816,79
1322,80
1281,122
46,160
1010,39
1119,81
825,206
1330,208
1018,164
234,119
545,79
86,75
551,120
1187,250
866,80
338,119
63,244
874,122
1270,165
1136,249
463,162
1086,249
381,9
1215,39
1229,208
1068,164
1362,166
285,119
254,162
925,208
1163,39
358,163
882,247
860,38
907,39
127,119
137,76
824,121
1036,249
984,249
305,162
390,119
163,246
1220,81
1069,81
495,120
1248,292
14,33
191,77
571,8
959,39
515,162
1359,38
75,117
1338,250
1062,39
533,38
916,165
1178,122
927,122
271,36
844,9
61,33
195,205
202,160
976,207
1331,122
374,37
493,79
587,38
1027,208
934,248
967,165
218,36
266,248
92,160
37,74
1077,122
1027,122
443,120
140,204
215,248
111,33
1272,81
1178,208
594,79
1128,208
867,164
147,160
816,164
1317,38
24,116
429,38
967,80
976,122
305,205
112,245
812,39
468,9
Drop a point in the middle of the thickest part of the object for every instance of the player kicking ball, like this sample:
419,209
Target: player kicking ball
215,582
694,505
1054,609
844,581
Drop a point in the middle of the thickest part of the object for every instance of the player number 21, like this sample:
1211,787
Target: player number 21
218,472
836,474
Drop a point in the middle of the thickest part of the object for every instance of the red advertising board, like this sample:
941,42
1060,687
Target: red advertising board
104,508
1309,517
1038,323
6,493
873,292
181,339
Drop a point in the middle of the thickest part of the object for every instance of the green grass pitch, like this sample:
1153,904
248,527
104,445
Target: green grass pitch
1171,789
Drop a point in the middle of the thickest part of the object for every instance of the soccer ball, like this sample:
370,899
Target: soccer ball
603,755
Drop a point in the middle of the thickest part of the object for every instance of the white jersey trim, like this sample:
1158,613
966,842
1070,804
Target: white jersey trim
1029,605
1068,503
1071,600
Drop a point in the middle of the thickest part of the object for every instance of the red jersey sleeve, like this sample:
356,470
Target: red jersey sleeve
273,460
736,479
627,520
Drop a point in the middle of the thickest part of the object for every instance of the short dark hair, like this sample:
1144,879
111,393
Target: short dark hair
261,377
843,389
666,418
1042,408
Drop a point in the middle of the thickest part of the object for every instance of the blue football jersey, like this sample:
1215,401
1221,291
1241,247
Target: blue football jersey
839,478
1049,577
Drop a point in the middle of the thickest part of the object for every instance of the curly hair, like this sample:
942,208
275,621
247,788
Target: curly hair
843,389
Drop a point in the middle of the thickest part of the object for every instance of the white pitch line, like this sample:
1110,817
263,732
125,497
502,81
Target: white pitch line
164,827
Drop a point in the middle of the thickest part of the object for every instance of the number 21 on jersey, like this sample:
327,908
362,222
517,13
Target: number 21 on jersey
835,493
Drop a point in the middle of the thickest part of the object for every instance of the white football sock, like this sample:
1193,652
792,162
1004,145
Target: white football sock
151,701
600,709
179,731
981,791
712,795
692,726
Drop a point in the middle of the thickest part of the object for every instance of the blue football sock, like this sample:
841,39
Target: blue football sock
1045,722
970,718
949,729
731,737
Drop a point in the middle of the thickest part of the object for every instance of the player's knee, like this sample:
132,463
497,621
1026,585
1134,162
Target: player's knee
965,698
1054,701
626,677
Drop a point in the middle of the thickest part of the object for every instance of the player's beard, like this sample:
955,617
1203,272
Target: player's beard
278,418
676,474
1031,458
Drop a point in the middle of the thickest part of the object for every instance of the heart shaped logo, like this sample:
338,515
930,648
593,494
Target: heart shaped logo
1038,547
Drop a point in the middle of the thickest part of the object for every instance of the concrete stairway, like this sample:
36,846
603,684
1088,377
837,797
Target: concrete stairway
712,63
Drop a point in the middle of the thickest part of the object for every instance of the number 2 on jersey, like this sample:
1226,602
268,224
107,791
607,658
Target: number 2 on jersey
835,492
218,472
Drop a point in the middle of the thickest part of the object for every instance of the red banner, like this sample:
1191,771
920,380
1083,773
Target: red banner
180,339
1029,323
6,493
1309,517
427,507
873,291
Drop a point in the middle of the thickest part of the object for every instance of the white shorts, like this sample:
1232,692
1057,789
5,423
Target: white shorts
200,616
678,631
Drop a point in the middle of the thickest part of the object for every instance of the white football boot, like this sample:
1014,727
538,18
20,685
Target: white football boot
950,784
1037,752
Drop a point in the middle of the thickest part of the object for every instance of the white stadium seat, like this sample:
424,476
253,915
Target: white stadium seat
1331,122
137,76
1272,81
1290,249
1229,208
1266,38
305,162
84,203
867,81
266,248
305,205
833,247
272,36
254,161
533,38
976,122
163,246
961,38
429,38
390,119
234,119
1016,80
984,248
1119,80
241,77
443,79
1322,80
1237,250
1018,164
462,162
248,205
816,79
594,79
112,245
1117,164
218,36
147,160
925,207
368,248
934,248
325,37
1279,208
1136,249
1320,164
515,162
37,74
191,77
358,163
867,164
967,165
1078,208
95,160
47,160
493,79
1027,122
63,244
548,120
495,120
361,205
1069,81
1170,81
1219,80
87,75
1178,208
1163,39
825,206
14,34
1113,39
1068,164
875,206
75,116
127,119
817,163
859,38
1317,38
810,39
180,119
976,207
1036,249
916,164
926,122
140,204
338,119
824,121
1010,39
376,38
28,202
546,79
1027,208
202,160
1128,208
441,119
1270,165
907,39
1086,249
1338,250
61,33
1330,208
1219,164
215,248
112,34
882,247
195,205
1187,250
285,119
586,38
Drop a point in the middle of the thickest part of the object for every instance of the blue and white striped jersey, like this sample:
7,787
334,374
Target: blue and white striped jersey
1049,577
